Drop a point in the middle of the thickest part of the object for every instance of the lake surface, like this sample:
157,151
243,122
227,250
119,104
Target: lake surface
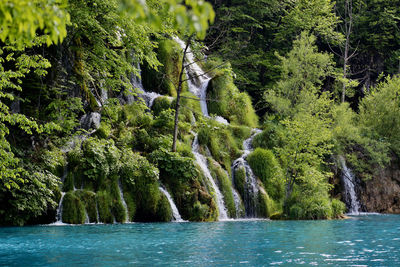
372,240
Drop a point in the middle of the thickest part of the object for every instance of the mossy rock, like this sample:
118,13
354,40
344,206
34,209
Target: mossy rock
68,182
164,211
239,180
266,167
230,103
170,54
88,198
104,205
73,210
225,186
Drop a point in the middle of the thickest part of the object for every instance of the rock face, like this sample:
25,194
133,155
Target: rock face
382,192
90,121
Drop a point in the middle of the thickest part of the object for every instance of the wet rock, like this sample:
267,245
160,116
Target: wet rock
90,121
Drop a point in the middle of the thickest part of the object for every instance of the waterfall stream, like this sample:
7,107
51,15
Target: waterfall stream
175,212
197,79
121,195
251,188
202,161
350,196
59,209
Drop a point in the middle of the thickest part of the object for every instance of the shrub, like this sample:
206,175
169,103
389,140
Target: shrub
338,208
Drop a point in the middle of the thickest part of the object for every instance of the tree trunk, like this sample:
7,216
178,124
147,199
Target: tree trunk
178,96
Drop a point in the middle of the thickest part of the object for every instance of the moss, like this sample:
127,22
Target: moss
200,212
225,185
104,130
130,203
267,168
164,211
68,182
78,177
89,200
232,104
170,55
219,139
104,205
118,208
264,205
239,180
73,210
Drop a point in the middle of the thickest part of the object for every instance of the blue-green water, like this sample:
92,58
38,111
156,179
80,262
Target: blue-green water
364,240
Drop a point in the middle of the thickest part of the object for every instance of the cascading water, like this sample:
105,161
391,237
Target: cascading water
201,160
121,195
350,196
136,82
251,187
59,209
197,79
175,212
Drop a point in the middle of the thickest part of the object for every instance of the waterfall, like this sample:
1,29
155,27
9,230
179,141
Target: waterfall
121,195
87,220
136,82
251,188
202,161
350,196
197,79
59,209
175,212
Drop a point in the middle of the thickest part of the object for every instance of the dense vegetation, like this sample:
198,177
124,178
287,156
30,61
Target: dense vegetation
321,76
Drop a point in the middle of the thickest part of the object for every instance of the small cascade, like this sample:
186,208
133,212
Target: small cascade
350,196
87,220
137,84
121,195
197,79
175,212
59,209
202,161
251,187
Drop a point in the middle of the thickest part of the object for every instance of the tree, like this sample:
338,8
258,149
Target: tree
304,69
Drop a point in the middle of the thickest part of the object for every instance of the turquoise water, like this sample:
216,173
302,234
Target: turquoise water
364,240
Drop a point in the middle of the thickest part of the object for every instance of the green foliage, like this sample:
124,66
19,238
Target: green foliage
160,104
64,113
303,72
100,158
28,199
338,208
266,167
380,113
21,19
